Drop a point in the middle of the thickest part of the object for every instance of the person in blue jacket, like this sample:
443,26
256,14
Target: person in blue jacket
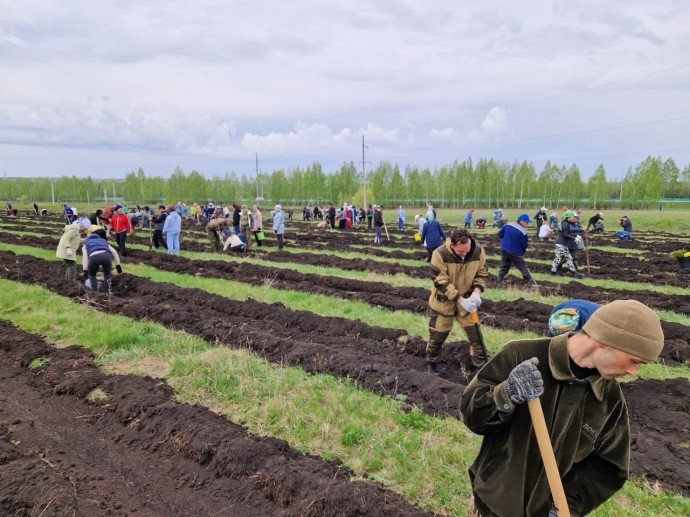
98,254
172,227
514,243
570,316
433,236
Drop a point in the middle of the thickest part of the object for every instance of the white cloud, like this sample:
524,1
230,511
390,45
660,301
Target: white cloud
424,82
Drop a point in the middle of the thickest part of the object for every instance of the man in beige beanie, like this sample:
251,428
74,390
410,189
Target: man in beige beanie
586,414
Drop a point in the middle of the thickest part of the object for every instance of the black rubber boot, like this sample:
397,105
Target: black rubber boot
476,350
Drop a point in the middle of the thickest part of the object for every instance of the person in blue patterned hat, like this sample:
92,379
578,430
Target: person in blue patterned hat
570,316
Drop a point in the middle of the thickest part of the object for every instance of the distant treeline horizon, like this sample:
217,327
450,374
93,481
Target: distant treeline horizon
487,183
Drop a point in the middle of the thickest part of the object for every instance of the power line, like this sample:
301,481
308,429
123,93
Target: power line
594,130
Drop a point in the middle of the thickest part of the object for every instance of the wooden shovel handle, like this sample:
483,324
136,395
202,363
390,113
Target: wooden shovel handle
548,457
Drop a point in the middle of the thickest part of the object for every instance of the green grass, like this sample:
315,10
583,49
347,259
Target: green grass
414,324
422,457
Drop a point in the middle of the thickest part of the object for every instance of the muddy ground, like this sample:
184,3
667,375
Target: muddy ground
387,361
74,441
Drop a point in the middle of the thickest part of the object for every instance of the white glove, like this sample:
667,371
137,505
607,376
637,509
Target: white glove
476,298
69,252
578,239
467,304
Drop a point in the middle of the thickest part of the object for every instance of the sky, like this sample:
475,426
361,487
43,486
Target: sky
102,87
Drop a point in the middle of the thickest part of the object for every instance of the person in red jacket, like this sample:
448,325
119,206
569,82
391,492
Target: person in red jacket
121,225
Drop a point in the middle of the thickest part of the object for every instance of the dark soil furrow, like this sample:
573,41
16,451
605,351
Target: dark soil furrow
388,367
133,450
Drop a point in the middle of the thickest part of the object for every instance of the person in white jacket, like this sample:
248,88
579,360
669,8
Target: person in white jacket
69,244
172,229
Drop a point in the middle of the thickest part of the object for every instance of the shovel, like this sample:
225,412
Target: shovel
548,457
587,253
475,319
388,237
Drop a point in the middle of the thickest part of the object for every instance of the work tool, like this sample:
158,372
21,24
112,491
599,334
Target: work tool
388,237
475,319
548,457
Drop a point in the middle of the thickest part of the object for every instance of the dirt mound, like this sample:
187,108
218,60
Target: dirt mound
74,441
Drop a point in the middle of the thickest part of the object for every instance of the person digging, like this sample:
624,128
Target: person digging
459,270
574,376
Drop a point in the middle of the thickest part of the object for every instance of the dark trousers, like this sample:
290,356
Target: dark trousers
120,238
105,261
159,240
511,259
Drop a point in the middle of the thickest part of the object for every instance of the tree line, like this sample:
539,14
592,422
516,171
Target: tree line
485,184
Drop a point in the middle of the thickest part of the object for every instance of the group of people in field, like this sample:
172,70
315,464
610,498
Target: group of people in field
573,369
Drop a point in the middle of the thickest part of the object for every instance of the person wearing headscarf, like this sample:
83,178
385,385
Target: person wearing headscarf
69,244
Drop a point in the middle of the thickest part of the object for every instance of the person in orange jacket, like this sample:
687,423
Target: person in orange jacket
121,225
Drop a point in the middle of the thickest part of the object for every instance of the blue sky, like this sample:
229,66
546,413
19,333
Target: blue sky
101,88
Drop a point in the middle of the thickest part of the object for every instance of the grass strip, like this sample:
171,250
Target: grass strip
424,458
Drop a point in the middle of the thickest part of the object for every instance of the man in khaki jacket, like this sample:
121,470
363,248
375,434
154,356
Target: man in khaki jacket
459,269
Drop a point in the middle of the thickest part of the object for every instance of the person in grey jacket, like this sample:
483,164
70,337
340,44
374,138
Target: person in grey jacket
172,229
279,225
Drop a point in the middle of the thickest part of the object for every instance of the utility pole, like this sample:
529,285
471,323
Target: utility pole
256,156
364,177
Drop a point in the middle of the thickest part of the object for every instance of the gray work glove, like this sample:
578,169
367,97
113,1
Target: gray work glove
524,382
554,513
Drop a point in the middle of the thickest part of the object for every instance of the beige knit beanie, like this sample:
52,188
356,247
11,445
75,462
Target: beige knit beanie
627,325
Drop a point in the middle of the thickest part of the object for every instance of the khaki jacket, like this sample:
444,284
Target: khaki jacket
587,421
455,277
70,239
216,224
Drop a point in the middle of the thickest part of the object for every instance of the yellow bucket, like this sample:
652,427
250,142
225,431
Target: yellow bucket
417,237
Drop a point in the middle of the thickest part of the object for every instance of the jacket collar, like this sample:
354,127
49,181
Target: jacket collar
519,227
470,254
559,363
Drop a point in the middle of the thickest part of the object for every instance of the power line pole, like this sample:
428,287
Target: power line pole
364,176
257,174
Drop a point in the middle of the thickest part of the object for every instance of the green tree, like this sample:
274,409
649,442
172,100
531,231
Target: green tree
597,187
277,186
670,174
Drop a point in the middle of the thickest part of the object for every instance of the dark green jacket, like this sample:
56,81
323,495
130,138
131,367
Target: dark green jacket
587,421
